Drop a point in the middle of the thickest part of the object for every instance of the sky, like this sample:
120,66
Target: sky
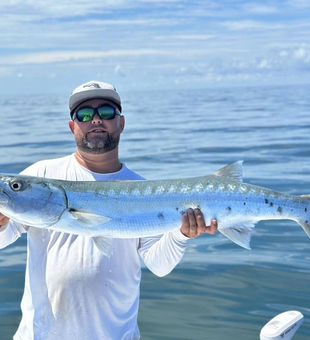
52,46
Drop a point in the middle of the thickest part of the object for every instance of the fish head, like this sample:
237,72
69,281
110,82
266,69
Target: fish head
31,201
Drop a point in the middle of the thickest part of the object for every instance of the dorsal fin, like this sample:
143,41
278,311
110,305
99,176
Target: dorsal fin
233,170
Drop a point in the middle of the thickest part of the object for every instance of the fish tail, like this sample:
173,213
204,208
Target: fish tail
305,223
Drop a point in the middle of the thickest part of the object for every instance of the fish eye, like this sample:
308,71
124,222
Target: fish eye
16,186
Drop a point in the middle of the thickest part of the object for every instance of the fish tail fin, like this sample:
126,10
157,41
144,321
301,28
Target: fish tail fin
238,232
305,223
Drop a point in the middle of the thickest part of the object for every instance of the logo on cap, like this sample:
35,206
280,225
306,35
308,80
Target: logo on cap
95,85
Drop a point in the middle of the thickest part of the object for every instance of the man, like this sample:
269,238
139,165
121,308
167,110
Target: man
73,291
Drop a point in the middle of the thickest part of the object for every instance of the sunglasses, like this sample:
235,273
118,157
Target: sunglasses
87,114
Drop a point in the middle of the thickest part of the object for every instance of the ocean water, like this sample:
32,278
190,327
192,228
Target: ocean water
219,290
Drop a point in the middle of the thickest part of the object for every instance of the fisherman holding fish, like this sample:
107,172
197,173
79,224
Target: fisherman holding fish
72,290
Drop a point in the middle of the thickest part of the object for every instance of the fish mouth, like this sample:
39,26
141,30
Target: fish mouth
4,197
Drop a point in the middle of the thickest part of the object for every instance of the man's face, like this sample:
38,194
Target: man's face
98,135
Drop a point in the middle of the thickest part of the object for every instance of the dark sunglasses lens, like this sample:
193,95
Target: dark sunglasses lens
85,115
106,112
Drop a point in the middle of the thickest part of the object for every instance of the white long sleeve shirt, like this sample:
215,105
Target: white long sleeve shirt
73,291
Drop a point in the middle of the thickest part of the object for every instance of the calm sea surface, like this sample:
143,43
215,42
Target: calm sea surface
219,290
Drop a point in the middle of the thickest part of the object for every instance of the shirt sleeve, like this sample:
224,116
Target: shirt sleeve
162,253
10,232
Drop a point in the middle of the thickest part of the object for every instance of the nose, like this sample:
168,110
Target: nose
96,119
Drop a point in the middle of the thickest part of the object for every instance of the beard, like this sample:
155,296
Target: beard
98,145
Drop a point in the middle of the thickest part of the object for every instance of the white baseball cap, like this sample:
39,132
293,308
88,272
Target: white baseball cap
93,90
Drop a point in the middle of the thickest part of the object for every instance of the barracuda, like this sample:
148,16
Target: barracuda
130,209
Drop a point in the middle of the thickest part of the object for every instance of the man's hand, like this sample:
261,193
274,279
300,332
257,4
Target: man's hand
3,220
193,224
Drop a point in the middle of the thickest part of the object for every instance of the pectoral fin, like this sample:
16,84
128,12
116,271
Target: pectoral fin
72,221
78,219
105,245
238,232
87,219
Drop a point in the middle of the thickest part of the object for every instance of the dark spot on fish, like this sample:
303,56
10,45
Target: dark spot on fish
228,209
306,221
280,210
239,230
271,204
160,216
266,201
198,207
177,209
182,212
244,203
306,209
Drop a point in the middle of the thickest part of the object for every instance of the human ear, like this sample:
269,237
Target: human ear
71,126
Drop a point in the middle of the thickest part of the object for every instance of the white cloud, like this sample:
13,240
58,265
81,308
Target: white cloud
47,9
159,1
119,71
60,8
263,64
283,54
302,54
199,40
187,37
5,71
298,3
132,22
66,56
258,8
241,25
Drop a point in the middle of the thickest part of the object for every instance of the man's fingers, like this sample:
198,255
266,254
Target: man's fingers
200,221
189,224
212,229
3,220
192,223
185,224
